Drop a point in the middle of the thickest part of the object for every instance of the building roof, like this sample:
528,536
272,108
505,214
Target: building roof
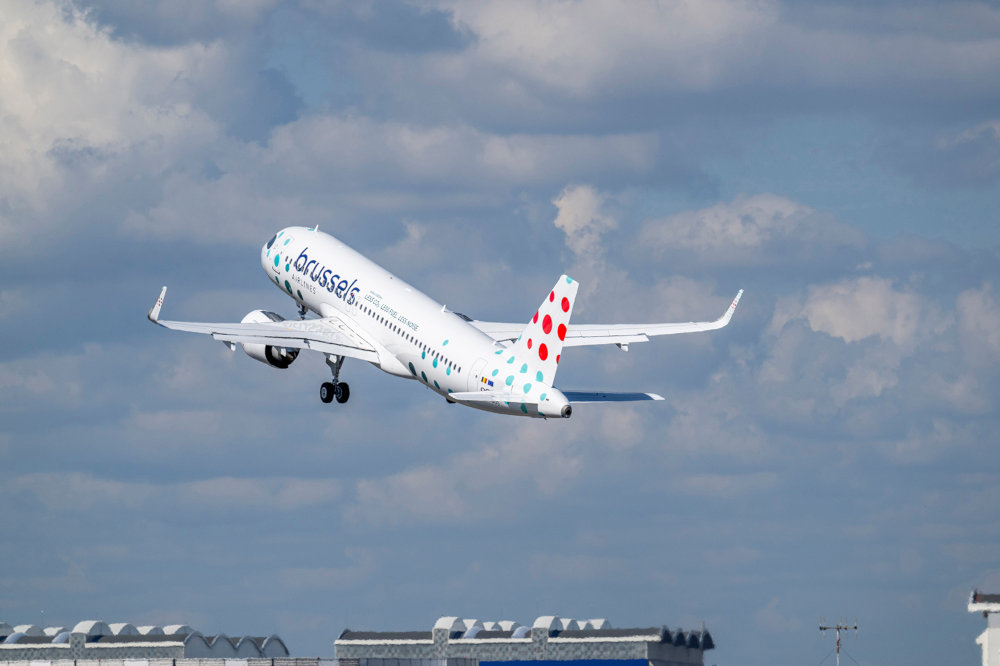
559,630
985,603
124,634
348,635
139,638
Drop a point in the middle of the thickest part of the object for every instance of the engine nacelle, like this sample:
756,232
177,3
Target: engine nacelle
276,357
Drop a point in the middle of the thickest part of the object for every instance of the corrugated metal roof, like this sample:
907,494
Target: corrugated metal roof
349,635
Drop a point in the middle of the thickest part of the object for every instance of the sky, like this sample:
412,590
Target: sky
831,454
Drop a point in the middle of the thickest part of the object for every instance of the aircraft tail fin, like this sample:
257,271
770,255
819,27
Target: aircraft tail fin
541,342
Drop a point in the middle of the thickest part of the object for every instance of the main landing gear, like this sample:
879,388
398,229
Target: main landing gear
328,391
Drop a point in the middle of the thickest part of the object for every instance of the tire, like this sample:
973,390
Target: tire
342,392
326,392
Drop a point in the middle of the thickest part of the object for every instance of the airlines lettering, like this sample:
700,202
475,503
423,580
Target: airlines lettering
326,278
377,303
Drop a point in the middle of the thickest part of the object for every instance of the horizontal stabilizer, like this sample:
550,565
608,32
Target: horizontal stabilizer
602,396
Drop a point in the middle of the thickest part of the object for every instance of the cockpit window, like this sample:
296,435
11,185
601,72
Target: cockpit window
271,242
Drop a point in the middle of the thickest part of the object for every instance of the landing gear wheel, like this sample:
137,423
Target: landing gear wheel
326,392
342,392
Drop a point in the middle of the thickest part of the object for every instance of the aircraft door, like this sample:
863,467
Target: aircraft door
476,375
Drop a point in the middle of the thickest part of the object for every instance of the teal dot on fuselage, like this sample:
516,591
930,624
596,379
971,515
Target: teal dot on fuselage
524,408
527,388
423,354
524,367
435,363
510,360
447,371
287,267
300,295
498,352
538,376
288,287
424,375
287,241
496,372
541,398
444,343
413,370
277,260
510,380
436,385
569,280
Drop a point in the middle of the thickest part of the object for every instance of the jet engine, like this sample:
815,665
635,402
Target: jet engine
276,357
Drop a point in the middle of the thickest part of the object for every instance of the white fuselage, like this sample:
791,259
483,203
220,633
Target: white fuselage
413,335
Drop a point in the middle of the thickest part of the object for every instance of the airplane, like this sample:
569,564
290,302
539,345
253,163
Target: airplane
364,312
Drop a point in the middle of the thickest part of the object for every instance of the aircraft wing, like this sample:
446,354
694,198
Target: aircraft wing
330,335
578,335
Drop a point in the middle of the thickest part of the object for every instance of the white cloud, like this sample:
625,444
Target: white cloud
589,49
469,486
869,376
763,228
316,148
73,492
322,166
272,493
362,564
922,444
621,428
72,93
582,218
860,308
773,619
577,567
581,47
978,313
726,486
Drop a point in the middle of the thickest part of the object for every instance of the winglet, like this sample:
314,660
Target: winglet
724,319
154,312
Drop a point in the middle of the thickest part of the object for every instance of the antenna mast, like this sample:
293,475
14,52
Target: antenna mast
838,628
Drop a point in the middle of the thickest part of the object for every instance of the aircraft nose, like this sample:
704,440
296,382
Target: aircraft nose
265,251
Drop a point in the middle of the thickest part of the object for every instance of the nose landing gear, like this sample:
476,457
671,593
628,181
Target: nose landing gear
328,391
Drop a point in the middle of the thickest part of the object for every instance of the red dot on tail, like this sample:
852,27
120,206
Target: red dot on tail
543,351
557,357
562,332
552,296
547,324
565,304
529,343
534,320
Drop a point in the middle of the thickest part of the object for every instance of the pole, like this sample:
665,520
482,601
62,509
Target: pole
838,628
